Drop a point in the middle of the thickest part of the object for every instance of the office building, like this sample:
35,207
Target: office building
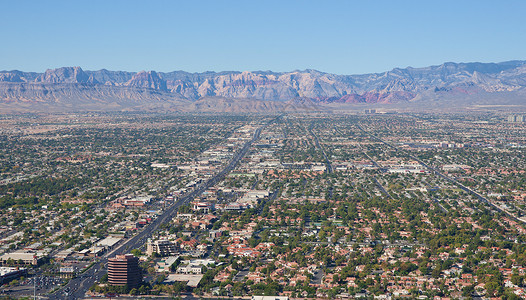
124,270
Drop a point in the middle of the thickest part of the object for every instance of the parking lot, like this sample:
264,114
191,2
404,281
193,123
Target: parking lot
39,284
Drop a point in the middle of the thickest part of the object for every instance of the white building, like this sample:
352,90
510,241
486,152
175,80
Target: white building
161,247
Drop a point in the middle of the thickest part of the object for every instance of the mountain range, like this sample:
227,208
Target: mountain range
446,86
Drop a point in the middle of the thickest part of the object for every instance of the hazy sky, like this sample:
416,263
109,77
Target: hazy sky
344,37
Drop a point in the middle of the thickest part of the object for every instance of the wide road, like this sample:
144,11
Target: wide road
77,287
328,164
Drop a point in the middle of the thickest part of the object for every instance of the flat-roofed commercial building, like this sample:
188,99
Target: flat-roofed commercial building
8,274
21,258
162,247
124,270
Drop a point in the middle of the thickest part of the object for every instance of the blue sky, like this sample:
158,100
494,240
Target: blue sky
343,37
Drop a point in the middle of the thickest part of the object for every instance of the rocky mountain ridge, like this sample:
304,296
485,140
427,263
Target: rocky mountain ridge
180,88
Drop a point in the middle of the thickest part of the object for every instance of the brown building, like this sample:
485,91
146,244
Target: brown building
124,270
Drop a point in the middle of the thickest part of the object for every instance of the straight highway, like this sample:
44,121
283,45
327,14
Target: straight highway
318,145
77,287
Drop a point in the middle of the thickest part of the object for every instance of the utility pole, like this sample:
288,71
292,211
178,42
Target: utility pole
35,288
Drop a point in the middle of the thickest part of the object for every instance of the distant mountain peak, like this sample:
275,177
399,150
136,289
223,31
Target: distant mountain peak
66,75
150,79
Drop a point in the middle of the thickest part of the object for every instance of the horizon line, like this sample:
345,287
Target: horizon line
282,72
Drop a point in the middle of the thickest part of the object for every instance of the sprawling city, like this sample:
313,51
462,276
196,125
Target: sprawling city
263,150
366,204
